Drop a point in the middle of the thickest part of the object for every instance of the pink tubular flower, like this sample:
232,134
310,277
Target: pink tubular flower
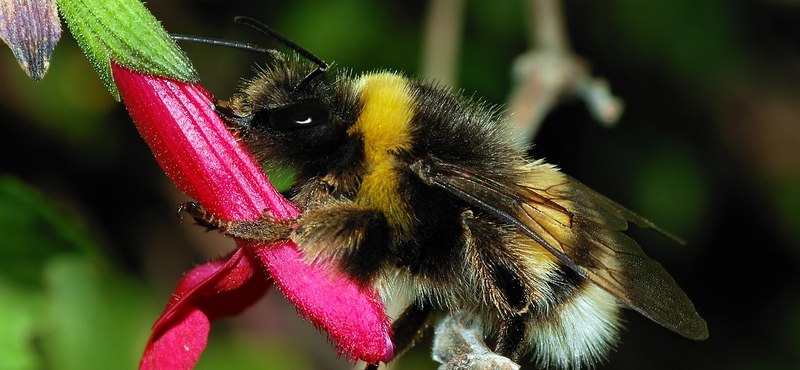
198,153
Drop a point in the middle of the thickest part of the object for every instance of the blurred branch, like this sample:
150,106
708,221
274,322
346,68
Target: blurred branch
550,71
443,26
548,31
458,344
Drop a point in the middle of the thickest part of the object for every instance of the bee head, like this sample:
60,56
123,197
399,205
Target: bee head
291,114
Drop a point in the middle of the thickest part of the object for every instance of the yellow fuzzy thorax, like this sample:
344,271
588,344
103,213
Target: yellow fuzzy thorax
384,124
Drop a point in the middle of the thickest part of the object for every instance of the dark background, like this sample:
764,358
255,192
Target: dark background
708,148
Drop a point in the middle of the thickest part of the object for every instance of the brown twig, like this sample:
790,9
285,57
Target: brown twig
550,71
458,344
443,28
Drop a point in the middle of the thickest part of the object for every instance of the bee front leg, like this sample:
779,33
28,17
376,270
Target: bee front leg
356,239
200,215
266,228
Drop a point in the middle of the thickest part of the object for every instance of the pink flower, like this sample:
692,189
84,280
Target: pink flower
198,153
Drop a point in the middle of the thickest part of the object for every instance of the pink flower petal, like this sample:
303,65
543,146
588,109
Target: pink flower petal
198,153
224,287
350,322
180,345
195,148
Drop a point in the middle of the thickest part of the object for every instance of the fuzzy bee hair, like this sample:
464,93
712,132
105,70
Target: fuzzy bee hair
414,188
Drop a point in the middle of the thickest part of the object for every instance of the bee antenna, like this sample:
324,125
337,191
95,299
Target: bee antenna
225,43
322,67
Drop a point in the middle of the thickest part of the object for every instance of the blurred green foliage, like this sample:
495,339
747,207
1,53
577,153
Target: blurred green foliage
90,248
62,305
51,105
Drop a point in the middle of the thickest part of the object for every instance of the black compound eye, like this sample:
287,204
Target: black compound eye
299,115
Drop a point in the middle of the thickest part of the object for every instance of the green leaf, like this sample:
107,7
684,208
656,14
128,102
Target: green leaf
126,32
243,353
20,313
62,305
97,317
281,178
33,230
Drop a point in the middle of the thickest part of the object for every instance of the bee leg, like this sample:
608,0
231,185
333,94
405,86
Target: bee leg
200,215
511,340
513,327
266,228
370,255
408,328
353,237
493,267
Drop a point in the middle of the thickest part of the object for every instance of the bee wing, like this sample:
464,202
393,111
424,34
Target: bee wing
582,228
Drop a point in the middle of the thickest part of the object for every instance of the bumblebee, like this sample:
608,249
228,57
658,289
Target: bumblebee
415,189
